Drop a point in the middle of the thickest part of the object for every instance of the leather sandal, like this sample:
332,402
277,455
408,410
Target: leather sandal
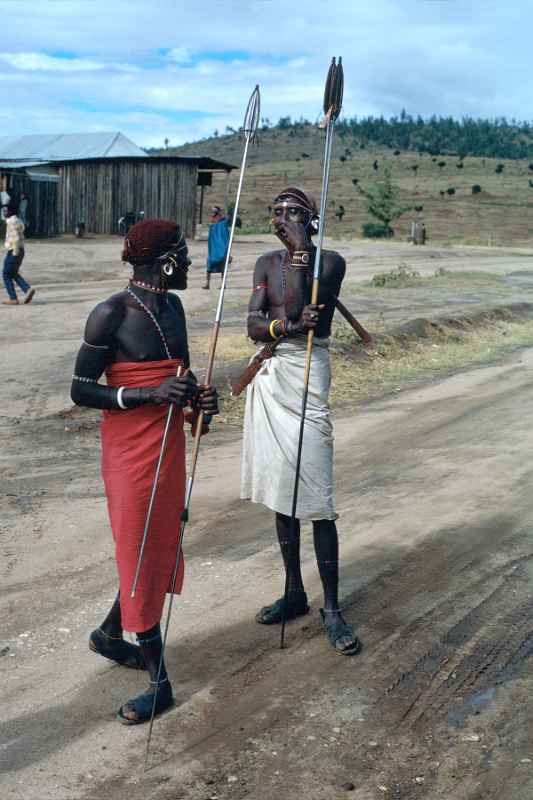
273,614
336,630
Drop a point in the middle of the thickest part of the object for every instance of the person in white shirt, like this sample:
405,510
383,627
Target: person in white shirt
14,256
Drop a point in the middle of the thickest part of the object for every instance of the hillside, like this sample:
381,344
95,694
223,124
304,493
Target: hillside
499,214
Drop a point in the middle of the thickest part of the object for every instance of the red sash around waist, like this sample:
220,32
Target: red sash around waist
131,442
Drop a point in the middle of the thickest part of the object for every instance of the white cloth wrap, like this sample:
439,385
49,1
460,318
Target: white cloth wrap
271,430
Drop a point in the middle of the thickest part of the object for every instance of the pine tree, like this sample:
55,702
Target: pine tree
382,201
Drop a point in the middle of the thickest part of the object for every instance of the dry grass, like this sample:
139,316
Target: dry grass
403,277
232,346
393,363
499,215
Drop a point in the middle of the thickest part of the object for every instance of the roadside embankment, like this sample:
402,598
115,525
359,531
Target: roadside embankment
416,351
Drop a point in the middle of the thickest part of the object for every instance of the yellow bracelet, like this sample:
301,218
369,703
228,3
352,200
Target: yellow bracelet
271,329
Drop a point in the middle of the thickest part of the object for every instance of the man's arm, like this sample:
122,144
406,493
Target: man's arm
257,323
95,354
180,311
93,357
331,278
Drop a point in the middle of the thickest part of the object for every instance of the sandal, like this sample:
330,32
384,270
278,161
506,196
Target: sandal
116,649
336,630
273,615
143,703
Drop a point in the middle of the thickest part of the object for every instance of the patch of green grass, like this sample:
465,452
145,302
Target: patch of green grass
251,230
402,277
399,277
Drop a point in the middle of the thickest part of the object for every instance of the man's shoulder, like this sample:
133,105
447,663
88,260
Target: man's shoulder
271,257
333,261
175,300
112,309
332,255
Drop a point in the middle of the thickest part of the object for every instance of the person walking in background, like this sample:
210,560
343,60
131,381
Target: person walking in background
217,243
14,257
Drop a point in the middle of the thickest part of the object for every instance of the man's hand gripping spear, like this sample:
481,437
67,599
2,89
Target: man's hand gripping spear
332,106
250,125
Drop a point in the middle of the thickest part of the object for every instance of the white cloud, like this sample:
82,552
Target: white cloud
180,55
139,67
41,62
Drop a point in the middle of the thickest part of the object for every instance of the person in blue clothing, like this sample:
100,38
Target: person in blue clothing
217,243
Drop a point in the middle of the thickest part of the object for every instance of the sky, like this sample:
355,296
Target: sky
169,69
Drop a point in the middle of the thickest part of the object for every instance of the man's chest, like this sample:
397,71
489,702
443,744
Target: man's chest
148,335
277,282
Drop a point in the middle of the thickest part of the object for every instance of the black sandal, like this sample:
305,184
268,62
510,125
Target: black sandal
338,629
116,649
142,704
273,615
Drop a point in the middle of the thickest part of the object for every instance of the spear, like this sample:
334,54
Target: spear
332,106
251,122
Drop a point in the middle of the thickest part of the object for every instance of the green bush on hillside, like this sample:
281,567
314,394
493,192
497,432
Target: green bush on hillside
376,230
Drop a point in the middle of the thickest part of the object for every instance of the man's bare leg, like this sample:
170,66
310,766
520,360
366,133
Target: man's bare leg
326,542
139,709
290,552
108,640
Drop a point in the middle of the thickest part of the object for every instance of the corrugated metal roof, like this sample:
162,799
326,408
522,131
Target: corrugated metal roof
67,146
20,164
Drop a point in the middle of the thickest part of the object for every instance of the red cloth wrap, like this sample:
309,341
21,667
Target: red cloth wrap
131,442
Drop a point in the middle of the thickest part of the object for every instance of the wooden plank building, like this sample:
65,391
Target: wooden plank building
98,192
95,179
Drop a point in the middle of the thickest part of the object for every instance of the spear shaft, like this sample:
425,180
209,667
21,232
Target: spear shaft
332,105
251,121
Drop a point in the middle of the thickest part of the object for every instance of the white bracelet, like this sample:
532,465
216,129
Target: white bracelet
120,401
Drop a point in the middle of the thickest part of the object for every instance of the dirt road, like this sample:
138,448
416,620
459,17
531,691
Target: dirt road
433,489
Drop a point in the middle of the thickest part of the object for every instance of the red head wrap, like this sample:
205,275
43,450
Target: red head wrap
148,239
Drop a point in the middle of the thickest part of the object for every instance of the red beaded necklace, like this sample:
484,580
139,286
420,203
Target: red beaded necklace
147,286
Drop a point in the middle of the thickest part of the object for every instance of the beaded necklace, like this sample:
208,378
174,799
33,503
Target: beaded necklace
152,317
147,287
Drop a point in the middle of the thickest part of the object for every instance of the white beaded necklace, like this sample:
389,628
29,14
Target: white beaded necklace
156,323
